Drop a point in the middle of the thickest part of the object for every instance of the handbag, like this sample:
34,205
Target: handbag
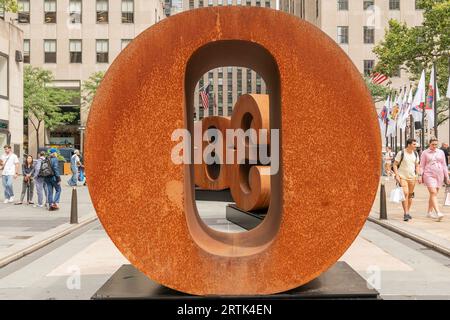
397,195
447,196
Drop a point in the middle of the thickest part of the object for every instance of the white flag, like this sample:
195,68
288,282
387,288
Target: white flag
419,99
393,117
406,107
433,93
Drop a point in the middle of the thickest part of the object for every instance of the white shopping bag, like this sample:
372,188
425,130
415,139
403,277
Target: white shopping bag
447,196
397,195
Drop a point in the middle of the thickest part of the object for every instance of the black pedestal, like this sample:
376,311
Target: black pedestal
213,195
245,219
339,282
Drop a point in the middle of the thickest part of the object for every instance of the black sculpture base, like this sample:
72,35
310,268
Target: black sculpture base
339,282
213,195
245,219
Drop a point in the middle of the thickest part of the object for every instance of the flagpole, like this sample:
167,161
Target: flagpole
435,101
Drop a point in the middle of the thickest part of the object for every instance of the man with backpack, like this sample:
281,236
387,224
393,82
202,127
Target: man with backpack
50,171
406,168
41,187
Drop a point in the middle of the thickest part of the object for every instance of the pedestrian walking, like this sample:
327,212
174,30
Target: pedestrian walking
39,181
52,179
75,165
444,148
9,163
28,168
406,169
434,173
388,157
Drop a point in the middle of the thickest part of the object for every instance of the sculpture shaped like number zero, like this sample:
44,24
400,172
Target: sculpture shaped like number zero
329,152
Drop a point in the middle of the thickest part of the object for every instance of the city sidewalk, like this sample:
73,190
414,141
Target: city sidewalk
24,229
421,229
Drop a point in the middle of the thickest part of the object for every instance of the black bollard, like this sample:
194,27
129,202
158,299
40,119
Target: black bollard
74,207
383,211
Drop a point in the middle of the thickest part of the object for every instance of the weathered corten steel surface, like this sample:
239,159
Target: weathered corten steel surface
330,161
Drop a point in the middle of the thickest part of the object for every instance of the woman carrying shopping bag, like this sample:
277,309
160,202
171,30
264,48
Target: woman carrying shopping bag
434,174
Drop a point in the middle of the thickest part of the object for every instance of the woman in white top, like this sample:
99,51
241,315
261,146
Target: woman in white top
388,156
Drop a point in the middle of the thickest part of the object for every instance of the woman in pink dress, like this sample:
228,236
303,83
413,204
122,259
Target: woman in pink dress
434,173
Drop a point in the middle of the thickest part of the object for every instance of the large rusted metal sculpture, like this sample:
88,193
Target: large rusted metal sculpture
330,161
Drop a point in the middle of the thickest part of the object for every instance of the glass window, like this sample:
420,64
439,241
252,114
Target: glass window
50,11
102,11
75,11
258,3
249,81
229,2
75,51
26,51
191,4
24,11
267,4
369,35
394,4
248,3
127,11
210,3
125,42
200,3
258,83
49,51
219,2
102,49
220,99
342,35
3,76
239,82
239,2
368,67
342,4
368,4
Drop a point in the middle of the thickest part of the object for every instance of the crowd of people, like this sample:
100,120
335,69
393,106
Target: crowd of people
41,174
430,168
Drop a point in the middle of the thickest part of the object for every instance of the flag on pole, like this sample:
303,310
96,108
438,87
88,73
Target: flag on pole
393,117
204,95
378,78
419,100
382,117
406,108
433,93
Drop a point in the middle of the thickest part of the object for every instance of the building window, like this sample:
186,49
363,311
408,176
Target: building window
75,51
210,3
102,11
3,76
342,35
239,2
248,3
125,42
249,81
342,4
200,3
50,11
24,11
317,8
239,82
49,51
369,35
26,51
191,4
220,99
102,51
229,2
219,2
368,67
258,3
368,4
258,83
127,11
75,11
394,4
267,4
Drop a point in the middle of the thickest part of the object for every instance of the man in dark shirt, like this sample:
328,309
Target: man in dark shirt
444,148
53,182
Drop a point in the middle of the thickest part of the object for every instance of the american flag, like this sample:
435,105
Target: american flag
205,97
378,78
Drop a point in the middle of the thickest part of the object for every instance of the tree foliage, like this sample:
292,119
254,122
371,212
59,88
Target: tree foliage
9,5
89,88
42,101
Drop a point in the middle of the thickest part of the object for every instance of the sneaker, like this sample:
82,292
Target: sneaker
18,203
6,201
11,200
409,216
405,218
432,215
440,215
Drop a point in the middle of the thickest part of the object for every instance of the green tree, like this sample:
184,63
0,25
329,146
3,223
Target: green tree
89,89
42,101
9,5
413,49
